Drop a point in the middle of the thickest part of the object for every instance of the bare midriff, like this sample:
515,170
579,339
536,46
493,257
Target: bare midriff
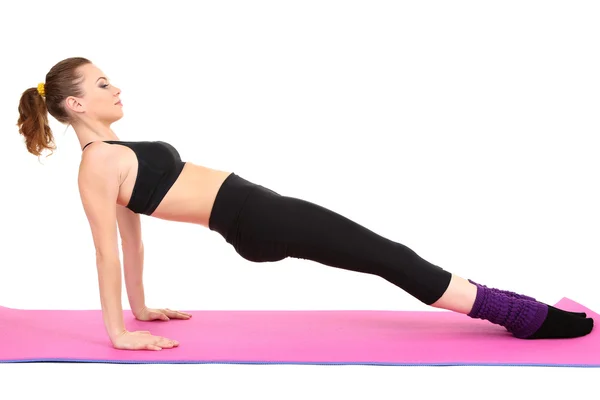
190,199
192,196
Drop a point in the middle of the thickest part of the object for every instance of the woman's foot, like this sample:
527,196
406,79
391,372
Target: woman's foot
521,315
561,324
528,319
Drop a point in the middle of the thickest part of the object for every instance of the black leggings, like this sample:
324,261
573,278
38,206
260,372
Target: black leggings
264,226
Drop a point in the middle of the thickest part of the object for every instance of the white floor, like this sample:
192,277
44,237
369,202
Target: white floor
290,382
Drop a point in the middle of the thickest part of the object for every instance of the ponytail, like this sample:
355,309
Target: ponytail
33,122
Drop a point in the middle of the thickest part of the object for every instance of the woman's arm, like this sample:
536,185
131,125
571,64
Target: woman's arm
133,260
98,187
133,257
109,282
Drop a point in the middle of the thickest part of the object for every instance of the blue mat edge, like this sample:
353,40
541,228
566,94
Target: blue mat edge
457,364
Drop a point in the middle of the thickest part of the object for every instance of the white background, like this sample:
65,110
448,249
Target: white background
466,130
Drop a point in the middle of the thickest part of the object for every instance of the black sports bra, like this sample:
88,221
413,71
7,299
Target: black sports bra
159,166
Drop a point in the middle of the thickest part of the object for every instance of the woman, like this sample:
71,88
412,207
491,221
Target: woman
118,180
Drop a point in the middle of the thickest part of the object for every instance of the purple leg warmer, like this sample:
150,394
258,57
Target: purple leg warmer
506,292
520,316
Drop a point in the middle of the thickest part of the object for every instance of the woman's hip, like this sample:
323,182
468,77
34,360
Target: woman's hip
263,225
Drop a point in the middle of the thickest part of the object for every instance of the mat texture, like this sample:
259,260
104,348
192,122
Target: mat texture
433,338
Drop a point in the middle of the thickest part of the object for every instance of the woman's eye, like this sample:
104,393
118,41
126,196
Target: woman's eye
106,85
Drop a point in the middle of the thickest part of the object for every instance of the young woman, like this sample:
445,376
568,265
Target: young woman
118,180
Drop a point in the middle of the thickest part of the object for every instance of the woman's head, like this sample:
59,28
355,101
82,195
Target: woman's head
75,91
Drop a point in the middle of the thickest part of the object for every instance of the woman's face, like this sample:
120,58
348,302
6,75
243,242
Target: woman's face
100,100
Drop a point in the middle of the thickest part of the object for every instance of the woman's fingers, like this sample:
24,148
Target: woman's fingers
159,343
176,314
166,343
140,340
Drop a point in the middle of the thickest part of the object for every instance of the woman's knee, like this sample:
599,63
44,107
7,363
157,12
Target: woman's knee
260,251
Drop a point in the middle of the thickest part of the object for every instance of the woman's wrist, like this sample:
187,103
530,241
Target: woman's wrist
113,334
138,310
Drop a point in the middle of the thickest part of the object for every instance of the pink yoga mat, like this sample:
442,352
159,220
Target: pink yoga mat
335,337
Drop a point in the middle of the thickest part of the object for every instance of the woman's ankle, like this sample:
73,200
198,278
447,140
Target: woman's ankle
459,297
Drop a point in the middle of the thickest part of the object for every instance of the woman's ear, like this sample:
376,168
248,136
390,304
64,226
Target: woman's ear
73,104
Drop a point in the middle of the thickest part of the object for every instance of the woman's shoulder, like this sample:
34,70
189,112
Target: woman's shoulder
97,151
97,161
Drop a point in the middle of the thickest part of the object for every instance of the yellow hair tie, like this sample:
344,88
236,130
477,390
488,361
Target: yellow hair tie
40,89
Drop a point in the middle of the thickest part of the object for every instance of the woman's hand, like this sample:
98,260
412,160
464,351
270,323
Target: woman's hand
142,340
150,314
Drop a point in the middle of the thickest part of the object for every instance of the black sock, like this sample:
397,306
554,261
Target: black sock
560,324
577,314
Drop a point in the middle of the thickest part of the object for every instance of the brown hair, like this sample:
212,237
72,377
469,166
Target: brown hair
62,80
